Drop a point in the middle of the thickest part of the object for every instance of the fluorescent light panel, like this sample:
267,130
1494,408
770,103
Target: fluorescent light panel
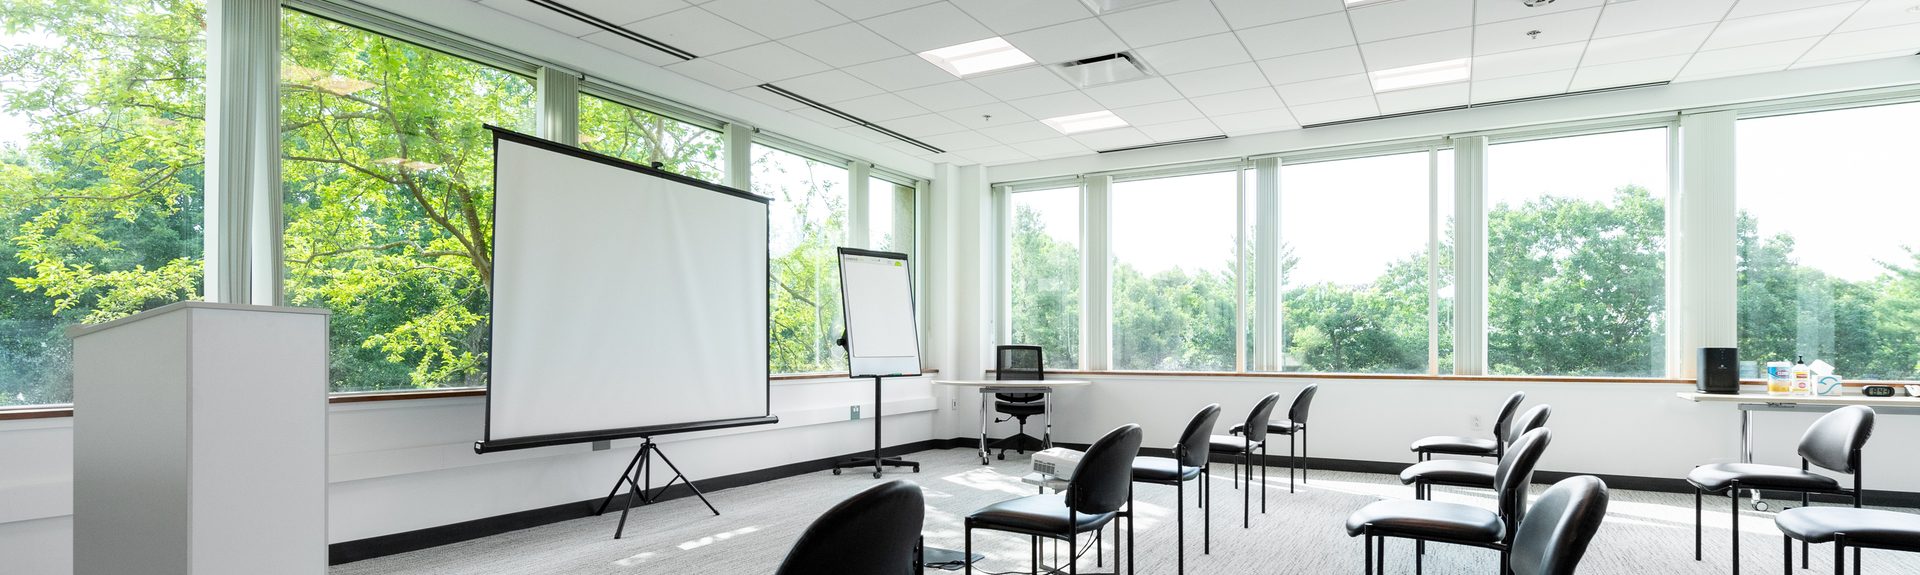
976,57
1422,75
1088,122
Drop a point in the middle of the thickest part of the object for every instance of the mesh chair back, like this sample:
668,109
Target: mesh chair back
1104,477
1505,420
1834,440
872,533
1515,472
1303,403
1256,429
1555,534
1194,442
1534,418
1019,363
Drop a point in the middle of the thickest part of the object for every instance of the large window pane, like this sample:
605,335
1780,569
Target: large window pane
1355,288
1576,255
809,220
1826,239
1174,268
890,217
101,150
389,197
642,137
1045,249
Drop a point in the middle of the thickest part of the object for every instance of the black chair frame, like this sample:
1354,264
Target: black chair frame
1072,537
1296,427
1806,500
1203,421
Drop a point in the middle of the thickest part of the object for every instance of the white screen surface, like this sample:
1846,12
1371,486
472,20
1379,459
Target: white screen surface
882,334
622,299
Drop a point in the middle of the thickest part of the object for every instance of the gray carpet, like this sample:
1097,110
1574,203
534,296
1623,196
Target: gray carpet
1300,533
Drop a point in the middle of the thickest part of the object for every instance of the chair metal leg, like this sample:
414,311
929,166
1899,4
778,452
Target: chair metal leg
1733,495
1292,461
968,557
1263,477
1116,533
1697,494
1206,512
1368,543
1786,554
1033,543
1180,528
1806,500
1073,546
1246,494
1839,556
1419,556
1303,454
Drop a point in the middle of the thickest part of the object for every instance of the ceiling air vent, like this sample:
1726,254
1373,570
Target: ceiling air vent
1108,69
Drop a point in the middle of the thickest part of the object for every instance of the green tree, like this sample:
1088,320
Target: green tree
1045,291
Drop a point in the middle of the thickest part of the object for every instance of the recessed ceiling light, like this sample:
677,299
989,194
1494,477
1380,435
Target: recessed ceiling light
1088,122
978,56
1422,75
1105,6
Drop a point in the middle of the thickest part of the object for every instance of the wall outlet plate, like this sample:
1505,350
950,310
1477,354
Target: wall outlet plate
1474,423
602,445
853,413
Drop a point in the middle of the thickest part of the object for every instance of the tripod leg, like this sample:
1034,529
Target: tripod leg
616,485
683,477
632,488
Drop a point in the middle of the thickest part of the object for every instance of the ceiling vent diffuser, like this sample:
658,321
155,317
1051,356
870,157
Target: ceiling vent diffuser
1108,69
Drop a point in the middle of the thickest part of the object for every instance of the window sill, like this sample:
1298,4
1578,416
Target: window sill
1434,378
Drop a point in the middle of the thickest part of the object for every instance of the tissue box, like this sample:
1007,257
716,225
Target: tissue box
1827,385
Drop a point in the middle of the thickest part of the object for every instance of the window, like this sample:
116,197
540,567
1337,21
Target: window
1576,255
1044,248
1827,266
890,217
643,137
101,154
388,188
1355,285
1175,272
809,220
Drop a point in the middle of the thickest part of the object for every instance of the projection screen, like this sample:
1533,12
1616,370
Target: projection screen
627,301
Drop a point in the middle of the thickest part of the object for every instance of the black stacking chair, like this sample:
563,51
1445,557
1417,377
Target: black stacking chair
1554,535
1847,527
1833,443
1019,363
1465,472
875,532
1189,462
1454,523
1294,424
1425,447
1102,484
1253,436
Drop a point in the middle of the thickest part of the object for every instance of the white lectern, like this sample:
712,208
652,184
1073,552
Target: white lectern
200,442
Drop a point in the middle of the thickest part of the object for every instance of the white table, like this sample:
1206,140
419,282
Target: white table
988,387
1748,403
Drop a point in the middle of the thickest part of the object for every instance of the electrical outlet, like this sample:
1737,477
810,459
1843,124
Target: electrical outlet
1475,423
853,412
956,404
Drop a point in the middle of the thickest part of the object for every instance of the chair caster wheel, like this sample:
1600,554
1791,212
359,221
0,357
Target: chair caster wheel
916,469
1760,506
876,475
1003,456
836,471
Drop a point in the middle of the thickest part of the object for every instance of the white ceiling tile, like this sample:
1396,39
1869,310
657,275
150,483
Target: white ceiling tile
770,62
708,71
1219,80
1249,13
534,13
949,96
1871,41
624,11
1021,83
1807,63
1297,36
1626,73
1747,59
1530,61
1757,7
1385,20
1067,42
822,118
1880,14
844,45
960,141
1009,16
1556,28
1019,132
1194,54
1486,11
635,50
776,19
1056,105
760,95
1335,111
829,86
1313,65
996,155
1256,122
1133,93
987,116
1422,49
880,108
1160,113
1515,87
1326,89
862,9
1423,98
928,27
1646,45
1634,17
1057,146
1113,139
900,73
696,31
1263,98
1177,131
924,125
906,148
867,134
1163,23
1778,26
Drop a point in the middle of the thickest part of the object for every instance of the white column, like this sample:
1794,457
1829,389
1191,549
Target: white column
1705,246
739,138
1096,292
559,95
1470,255
858,206
1002,265
1267,325
243,216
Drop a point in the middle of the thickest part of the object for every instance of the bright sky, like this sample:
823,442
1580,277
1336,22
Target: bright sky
14,128
1845,183
1186,222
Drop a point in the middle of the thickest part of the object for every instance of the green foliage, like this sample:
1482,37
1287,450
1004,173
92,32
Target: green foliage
1045,291
639,136
1867,329
804,289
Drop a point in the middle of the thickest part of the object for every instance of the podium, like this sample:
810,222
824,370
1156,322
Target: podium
200,442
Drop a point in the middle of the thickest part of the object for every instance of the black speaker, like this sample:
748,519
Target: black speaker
1719,370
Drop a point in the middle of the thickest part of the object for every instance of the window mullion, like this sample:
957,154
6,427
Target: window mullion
559,111
243,210
739,143
1096,299
1470,256
1267,307
858,207
1703,257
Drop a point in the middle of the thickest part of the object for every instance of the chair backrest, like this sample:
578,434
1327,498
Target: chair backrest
1019,362
1515,472
1194,442
1534,418
1257,419
872,533
1558,528
1834,440
1501,423
1302,403
1104,477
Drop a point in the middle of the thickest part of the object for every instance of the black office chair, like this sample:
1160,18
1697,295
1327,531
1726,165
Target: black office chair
1102,485
1189,462
1425,447
1455,523
1554,535
1253,436
1465,472
1019,363
875,532
1294,424
1847,527
1833,443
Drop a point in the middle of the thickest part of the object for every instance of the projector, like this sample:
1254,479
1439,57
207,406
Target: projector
1056,462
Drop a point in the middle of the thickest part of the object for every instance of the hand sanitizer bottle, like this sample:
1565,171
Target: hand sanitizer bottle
1802,377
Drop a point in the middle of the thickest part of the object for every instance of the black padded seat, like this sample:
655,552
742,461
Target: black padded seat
1719,476
1429,521
1456,445
1458,472
1281,426
1035,515
1875,528
1019,409
1162,470
1229,444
